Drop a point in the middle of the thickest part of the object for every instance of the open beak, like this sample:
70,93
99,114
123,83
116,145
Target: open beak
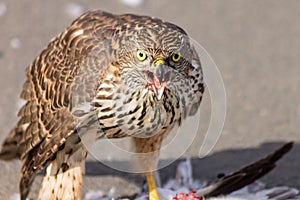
159,82
158,79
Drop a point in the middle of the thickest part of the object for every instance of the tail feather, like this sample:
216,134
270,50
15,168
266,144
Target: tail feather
65,185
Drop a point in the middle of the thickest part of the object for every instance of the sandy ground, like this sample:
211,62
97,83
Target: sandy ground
255,44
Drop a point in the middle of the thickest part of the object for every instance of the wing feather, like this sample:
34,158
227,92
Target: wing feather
46,121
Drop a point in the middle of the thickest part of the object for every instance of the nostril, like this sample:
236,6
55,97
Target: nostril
151,75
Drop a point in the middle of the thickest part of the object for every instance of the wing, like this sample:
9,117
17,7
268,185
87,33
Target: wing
46,121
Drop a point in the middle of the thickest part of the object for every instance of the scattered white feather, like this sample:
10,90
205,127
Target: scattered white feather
184,178
74,10
111,192
184,182
132,3
166,193
3,9
99,195
15,43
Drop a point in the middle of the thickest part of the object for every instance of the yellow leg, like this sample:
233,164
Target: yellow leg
153,194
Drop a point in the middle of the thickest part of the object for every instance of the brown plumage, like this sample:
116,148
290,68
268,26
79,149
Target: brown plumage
113,75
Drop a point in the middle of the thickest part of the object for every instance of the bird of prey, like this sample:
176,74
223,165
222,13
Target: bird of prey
113,75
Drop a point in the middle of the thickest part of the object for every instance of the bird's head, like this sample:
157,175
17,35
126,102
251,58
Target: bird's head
160,59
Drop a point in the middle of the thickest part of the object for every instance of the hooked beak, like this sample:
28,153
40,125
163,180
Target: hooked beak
158,79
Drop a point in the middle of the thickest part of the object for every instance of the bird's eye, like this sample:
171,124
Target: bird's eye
141,55
176,57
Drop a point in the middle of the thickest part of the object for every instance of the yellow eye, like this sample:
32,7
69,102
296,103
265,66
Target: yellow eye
176,57
141,55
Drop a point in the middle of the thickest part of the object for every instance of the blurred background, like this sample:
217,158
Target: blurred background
255,44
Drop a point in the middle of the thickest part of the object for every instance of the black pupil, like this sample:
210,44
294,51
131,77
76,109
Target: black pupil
176,56
141,54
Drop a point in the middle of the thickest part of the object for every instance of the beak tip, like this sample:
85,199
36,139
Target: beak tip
159,93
